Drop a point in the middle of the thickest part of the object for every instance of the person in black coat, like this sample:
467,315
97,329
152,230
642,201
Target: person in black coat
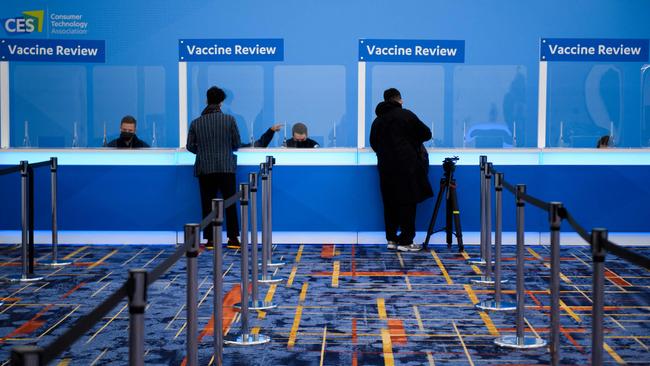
397,137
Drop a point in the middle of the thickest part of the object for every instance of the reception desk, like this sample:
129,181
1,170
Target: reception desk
333,192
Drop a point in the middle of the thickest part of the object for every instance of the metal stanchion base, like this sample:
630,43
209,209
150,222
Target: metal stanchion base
275,264
477,261
258,305
483,280
21,278
512,341
53,263
246,339
269,280
492,305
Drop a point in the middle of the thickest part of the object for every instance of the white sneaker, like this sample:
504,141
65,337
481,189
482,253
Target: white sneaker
391,245
410,248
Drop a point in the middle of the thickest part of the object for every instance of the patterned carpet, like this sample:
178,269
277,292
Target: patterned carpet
337,305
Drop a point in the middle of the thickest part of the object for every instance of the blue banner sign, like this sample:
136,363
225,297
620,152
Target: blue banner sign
403,50
52,50
593,49
226,50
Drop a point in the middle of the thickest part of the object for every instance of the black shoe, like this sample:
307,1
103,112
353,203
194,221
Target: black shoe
233,243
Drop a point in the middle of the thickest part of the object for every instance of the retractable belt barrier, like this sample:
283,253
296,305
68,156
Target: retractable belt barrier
135,287
26,171
597,240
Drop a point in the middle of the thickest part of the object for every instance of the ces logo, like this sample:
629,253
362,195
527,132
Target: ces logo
31,21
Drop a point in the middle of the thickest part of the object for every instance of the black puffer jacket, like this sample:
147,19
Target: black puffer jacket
396,137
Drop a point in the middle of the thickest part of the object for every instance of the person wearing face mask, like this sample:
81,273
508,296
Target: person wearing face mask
127,139
299,138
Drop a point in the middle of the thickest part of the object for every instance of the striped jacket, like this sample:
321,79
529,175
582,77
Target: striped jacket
214,137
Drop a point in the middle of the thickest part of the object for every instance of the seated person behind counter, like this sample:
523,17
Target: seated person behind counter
127,138
266,138
300,139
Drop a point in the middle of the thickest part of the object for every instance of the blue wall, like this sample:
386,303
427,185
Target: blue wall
317,81
329,198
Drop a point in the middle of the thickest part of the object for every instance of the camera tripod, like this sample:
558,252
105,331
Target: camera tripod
448,190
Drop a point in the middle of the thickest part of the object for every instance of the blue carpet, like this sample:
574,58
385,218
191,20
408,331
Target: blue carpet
339,305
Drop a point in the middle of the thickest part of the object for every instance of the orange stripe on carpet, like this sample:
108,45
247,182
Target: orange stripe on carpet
327,251
616,278
355,360
397,332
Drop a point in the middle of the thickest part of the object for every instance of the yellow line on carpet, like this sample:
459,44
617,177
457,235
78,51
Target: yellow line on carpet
488,322
401,260
303,292
534,254
175,316
570,312
255,330
299,254
261,314
408,283
294,328
387,347
132,257
476,269
60,321
99,357
471,294
75,252
335,274
469,358
613,353
531,328
322,349
442,267
100,289
103,259
641,343
292,276
616,322
418,318
107,323
465,255
64,362
430,358
152,259
381,308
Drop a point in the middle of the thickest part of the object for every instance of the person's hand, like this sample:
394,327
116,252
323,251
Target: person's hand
276,127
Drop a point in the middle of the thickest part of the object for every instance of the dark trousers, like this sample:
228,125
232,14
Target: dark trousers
398,216
210,185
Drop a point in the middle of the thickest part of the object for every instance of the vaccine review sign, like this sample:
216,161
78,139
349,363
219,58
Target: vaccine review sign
401,50
52,50
592,49
225,50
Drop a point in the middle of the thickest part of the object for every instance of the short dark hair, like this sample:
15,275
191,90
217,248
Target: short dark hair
299,128
128,119
216,95
391,95
604,141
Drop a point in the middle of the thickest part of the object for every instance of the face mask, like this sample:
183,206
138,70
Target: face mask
126,135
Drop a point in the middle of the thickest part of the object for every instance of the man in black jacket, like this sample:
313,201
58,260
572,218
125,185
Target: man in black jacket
127,138
396,136
214,137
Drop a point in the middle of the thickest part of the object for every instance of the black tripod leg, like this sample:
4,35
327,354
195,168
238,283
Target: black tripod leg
449,229
441,192
454,204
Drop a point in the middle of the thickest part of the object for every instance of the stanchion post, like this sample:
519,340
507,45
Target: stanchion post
266,277
497,304
555,222
26,356
482,164
217,279
192,252
270,163
520,341
30,217
598,241
487,279
54,262
137,292
244,338
25,275
255,303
